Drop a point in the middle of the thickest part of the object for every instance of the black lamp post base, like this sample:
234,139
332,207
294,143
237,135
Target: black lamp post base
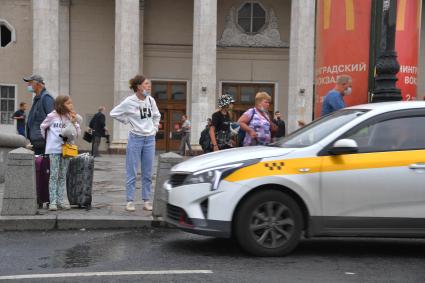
385,81
387,65
386,95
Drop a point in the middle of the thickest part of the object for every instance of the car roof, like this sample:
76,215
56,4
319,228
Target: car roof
390,106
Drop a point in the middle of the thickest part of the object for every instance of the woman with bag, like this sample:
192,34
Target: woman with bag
220,134
141,112
256,122
60,130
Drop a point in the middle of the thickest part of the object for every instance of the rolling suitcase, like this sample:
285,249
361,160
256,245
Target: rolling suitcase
79,180
42,169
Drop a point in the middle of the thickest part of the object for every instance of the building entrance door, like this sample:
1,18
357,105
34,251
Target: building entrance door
244,96
171,100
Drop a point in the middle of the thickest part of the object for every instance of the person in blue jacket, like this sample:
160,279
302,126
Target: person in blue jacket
334,100
43,104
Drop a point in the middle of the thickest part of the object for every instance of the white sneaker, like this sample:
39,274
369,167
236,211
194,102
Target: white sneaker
130,206
147,206
64,206
53,207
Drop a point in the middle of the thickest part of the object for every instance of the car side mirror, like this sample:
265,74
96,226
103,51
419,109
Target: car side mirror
344,146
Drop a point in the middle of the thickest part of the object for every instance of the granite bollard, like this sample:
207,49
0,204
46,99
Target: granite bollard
165,162
20,196
8,142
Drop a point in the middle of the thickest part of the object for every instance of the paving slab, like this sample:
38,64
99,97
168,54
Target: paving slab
108,204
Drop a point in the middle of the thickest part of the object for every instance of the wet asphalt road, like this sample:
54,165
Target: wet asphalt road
320,260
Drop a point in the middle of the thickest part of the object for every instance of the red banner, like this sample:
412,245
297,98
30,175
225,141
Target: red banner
342,47
407,45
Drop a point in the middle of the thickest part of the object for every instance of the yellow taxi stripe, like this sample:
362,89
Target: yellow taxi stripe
372,160
278,167
328,164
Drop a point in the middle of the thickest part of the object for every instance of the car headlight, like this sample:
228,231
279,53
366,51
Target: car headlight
216,174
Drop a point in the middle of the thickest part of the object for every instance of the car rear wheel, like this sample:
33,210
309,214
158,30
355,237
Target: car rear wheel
268,223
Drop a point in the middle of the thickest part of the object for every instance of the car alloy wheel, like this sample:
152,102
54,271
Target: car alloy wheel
271,224
268,223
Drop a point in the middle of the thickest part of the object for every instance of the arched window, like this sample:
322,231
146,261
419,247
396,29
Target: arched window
251,17
7,33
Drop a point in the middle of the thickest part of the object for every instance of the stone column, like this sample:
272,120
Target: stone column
301,63
64,47
46,42
126,63
141,37
421,76
203,94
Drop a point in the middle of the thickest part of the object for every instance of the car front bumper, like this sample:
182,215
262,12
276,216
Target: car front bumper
191,208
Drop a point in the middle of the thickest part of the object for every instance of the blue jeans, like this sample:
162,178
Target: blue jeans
139,148
21,131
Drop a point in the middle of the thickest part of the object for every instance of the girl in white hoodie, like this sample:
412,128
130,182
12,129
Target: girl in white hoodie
61,123
141,112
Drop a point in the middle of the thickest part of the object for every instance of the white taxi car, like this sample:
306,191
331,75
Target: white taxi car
357,172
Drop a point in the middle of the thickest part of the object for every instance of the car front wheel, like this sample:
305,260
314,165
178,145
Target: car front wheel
268,223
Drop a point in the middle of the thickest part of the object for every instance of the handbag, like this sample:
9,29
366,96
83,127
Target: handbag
88,137
69,150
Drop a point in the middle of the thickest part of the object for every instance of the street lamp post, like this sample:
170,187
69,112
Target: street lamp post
387,65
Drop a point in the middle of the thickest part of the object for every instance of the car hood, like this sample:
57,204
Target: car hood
229,156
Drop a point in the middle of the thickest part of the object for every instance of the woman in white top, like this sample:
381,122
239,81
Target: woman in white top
61,124
141,112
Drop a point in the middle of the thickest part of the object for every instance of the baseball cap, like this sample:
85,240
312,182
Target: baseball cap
34,77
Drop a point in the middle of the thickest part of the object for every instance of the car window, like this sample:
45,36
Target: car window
406,133
319,129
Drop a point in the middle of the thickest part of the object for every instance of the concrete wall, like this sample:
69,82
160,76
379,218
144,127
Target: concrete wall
168,41
16,58
262,65
92,35
168,47
266,65
282,9
168,22
167,50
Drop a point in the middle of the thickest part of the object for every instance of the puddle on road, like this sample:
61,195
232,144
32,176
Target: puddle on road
102,249
85,255
78,256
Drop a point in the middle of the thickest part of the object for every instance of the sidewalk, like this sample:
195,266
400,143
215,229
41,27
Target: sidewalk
108,205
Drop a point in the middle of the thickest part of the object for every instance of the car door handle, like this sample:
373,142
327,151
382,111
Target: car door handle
417,166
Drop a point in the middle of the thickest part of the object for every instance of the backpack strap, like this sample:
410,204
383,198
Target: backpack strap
42,98
252,116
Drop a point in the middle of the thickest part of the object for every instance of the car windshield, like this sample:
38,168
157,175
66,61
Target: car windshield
319,129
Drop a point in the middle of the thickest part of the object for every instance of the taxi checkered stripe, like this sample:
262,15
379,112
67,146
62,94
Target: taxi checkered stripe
274,165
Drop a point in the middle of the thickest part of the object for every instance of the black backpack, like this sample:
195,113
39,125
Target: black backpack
242,133
205,140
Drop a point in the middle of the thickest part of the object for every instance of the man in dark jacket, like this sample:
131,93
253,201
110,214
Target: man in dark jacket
43,104
99,130
280,125
19,116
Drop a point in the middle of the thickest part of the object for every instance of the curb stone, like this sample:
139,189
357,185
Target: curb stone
62,222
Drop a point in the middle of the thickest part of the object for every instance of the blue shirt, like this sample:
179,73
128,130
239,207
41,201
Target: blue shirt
333,101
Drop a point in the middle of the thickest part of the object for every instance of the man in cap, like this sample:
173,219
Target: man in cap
43,104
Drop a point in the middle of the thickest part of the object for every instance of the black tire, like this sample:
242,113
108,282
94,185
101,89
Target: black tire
268,223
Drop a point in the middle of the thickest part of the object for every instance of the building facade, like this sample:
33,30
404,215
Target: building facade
192,50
